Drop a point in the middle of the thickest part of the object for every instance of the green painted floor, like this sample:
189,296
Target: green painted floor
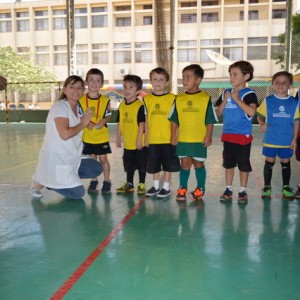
130,247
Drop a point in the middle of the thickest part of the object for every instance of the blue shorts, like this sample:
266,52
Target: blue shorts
282,153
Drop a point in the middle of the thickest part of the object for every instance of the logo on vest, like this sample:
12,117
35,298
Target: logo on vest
282,113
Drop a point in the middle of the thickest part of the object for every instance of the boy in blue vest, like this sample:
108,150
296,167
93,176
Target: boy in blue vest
297,194
237,106
278,118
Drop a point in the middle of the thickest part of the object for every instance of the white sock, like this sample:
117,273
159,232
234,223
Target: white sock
156,184
229,187
166,186
242,189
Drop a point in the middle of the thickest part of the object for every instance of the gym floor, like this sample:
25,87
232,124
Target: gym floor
132,247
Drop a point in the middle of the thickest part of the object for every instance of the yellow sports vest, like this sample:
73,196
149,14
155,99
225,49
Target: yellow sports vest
95,136
191,110
158,108
128,122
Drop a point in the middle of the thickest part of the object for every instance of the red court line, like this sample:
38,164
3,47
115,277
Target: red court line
68,284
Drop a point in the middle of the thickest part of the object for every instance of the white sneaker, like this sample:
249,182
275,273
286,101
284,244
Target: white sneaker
36,193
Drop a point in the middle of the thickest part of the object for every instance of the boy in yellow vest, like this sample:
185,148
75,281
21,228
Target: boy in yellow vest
131,125
192,119
161,153
96,134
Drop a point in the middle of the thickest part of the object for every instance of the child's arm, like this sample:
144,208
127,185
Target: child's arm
102,122
249,109
296,128
262,125
220,108
146,132
208,138
118,139
174,130
139,141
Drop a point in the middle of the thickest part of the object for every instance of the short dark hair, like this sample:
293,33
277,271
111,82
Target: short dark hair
245,67
283,73
94,71
135,79
71,80
160,70
197,69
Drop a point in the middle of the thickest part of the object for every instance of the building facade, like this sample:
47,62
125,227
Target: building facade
121,36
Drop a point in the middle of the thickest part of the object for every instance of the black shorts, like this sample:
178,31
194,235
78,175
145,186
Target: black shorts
162,157
237,155
298,149
135,160
97,149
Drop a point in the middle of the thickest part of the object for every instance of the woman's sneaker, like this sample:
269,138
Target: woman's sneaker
266,192
152,191
93,186
126,188
36,193
287,192
226,196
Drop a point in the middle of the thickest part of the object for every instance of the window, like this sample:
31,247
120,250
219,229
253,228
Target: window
147,6
5,15
232,41
203,55
257,52
121,57
24,14
24,52
278,14
250,1
82,58
234,53
57,12
189,18
5,26
122,45
209,17
253,15
144,56
212,42
41,13
123,22
189,43
60,55
41,24
147,20
187,55
143,45
42,55
59,23
99,21
123,8
79,11
22,25
277,50
100,53
80,22
257,40
210,3
189,4
99,9
275,40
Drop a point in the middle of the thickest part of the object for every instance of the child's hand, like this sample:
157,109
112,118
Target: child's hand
263,127
226,96
207,141
100,124
90,126
174,140
139,144
118,143
146,142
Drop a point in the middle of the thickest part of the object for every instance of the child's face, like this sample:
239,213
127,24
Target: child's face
159,83
190,81
94,82
130,91
237,78
281,85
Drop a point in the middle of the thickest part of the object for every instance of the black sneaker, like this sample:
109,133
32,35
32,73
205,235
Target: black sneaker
106,186
242,198
163,193
152,191
93,186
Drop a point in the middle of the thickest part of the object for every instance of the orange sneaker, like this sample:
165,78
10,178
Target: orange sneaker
181,194
196,195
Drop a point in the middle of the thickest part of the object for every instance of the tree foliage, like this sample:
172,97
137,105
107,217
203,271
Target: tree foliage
22,75
295,45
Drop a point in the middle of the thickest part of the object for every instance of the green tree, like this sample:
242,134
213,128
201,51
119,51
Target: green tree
22,75
295,45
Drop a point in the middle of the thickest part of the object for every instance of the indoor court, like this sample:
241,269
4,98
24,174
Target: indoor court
132,247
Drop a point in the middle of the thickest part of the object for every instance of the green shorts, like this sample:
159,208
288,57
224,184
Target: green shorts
196,150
